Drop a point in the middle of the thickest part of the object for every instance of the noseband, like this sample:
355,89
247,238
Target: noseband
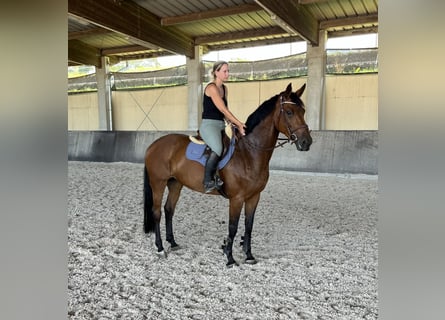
292,136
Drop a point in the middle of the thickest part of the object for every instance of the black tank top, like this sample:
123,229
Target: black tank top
210,111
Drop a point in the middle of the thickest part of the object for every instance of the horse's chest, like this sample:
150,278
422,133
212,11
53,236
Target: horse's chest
259,180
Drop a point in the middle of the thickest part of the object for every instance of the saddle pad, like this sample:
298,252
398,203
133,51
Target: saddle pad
195,152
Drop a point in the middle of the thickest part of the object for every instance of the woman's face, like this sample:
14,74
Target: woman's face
223,72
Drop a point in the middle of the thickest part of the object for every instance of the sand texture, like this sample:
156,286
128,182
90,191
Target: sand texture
314,236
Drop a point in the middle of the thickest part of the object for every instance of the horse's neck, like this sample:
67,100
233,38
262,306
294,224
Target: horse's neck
260,143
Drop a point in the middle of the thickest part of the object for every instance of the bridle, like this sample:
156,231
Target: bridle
292,136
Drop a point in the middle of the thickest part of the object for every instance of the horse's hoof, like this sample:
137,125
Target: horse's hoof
175,247
251,261
232,263
161,254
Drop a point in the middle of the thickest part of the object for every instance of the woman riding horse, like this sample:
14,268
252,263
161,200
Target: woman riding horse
245,175
214,111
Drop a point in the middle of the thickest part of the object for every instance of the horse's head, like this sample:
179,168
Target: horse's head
290,120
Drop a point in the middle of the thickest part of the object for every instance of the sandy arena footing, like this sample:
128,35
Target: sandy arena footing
314,236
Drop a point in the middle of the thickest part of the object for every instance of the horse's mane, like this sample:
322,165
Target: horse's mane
260,113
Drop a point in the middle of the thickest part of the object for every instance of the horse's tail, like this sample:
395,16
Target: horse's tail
149,222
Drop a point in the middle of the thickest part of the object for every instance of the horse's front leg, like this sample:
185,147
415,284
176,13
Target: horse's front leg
250,208
158,238
234,214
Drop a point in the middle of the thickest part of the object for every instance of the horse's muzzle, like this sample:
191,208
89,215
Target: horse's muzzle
303,143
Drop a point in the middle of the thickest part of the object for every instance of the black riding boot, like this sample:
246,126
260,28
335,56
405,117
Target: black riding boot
210,182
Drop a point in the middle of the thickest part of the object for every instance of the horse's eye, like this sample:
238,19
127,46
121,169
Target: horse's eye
289,112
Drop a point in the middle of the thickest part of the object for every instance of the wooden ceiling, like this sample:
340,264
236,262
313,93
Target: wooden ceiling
135,29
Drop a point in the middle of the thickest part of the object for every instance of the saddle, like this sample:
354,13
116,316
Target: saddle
198,140
197,149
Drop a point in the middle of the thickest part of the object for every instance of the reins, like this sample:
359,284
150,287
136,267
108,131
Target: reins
280,144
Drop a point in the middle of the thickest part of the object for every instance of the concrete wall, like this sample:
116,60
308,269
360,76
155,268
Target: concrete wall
83,111
351,104
331,151
155,109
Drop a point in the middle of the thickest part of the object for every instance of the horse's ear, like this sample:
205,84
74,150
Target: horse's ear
288,89
300,91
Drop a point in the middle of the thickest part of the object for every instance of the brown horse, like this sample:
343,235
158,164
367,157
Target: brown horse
244,176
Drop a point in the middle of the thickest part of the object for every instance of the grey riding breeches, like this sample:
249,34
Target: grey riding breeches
210,131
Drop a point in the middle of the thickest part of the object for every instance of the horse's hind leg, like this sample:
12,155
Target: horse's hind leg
174,190
158,192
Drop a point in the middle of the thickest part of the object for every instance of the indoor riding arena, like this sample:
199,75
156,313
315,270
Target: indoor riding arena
314,237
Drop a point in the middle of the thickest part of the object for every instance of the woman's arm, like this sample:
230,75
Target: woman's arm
213,92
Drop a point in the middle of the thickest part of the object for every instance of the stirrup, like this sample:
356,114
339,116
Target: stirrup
209,186
218,182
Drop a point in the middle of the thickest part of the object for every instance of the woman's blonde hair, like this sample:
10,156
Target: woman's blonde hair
217,66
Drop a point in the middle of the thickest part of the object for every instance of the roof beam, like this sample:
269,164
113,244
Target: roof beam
254,43
134,22
352,32
134,50
363,19
221,12
292,17
142,55
231,36
310,1
123,49
86,33
82,53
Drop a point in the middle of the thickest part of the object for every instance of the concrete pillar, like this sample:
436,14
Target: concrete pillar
195,79
104,96
315,89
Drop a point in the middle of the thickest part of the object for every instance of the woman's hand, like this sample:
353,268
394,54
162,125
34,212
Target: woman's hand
241,127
